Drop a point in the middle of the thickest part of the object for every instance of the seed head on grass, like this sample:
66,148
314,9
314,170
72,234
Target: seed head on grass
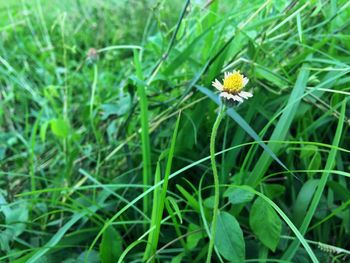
232,87
92,56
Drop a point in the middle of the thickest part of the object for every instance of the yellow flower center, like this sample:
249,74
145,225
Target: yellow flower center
233,83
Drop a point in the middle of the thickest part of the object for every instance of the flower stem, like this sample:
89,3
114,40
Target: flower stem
216,182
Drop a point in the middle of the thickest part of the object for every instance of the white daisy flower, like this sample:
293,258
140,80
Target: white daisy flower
232,87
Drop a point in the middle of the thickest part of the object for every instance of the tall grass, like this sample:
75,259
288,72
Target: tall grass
96,164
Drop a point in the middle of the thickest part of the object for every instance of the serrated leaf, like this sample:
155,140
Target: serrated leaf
229,238
265,223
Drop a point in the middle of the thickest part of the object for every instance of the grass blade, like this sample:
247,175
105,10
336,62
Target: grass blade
145,141
288,255
282,127
159,199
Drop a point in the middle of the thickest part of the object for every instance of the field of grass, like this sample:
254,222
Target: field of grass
115,146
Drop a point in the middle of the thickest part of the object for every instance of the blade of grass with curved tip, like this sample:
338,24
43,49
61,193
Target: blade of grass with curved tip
151,246
245,126
128,249
146,148
159,199
282,126
322,183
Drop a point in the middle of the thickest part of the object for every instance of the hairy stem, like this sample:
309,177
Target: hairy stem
216,182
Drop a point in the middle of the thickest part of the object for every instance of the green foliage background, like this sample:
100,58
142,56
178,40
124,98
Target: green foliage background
105,121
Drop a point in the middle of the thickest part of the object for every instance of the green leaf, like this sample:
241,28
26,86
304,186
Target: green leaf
265,223
111,246
307,151
303,200
209,202
238,196
91,257
16,219
119,108
273,190
311,156
229,238
193,238
60,128
315,163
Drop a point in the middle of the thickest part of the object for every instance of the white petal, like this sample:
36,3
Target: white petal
229,96
225,95
245,94
237,98
245,81
217,85
242,95
230,73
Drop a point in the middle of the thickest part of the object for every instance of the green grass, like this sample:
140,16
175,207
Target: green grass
106,114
